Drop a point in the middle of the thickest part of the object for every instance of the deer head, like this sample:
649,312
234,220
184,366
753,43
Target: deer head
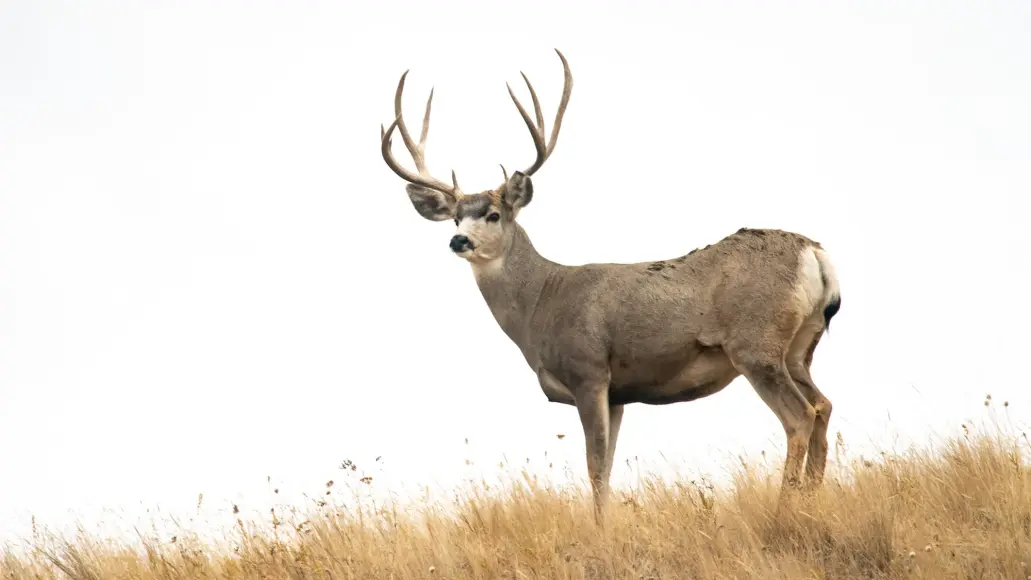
483,220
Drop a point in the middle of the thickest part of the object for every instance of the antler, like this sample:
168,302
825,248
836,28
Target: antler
537,129
417,150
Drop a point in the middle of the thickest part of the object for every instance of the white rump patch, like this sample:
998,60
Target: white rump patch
817,284
809,288
831,291
815,289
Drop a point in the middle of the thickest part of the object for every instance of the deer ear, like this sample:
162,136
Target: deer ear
430,203
518,191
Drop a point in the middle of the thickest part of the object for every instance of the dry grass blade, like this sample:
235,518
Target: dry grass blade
961,511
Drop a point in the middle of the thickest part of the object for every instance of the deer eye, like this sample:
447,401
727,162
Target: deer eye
494,217
456,221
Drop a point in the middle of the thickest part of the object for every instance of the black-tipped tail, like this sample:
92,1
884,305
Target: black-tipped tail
830,311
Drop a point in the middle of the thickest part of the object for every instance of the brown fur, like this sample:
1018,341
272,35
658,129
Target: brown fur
601,336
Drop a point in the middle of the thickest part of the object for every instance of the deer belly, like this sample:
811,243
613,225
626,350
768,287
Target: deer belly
706,374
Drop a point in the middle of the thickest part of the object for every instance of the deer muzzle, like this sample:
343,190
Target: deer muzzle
460,243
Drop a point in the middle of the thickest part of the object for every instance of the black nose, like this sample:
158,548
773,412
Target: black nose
459,243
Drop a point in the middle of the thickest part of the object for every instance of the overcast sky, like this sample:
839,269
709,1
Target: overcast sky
209,277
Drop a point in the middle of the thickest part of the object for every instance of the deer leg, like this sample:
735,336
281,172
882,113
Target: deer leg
769,376
593,407
816,458
615,418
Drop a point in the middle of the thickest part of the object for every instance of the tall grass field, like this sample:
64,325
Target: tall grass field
960,508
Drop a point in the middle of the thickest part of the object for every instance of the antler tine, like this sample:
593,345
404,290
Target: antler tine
426,123
409,144
538,139
417,150
388,155
544,150
567,89
425,181
536,104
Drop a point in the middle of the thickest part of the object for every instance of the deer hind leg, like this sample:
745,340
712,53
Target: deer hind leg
762,362
800,358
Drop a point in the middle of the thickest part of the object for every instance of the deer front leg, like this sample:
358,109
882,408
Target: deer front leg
615,419
593,407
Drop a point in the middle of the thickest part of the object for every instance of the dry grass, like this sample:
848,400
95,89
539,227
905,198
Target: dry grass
961,510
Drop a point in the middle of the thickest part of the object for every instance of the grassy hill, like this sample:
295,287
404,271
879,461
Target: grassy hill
959,510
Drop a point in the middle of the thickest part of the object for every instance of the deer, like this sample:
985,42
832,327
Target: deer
601,336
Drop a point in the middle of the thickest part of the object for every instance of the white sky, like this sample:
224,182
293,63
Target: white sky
209,277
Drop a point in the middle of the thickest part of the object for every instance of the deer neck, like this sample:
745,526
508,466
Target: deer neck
512,285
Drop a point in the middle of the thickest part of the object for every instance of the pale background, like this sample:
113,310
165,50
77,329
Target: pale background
208,277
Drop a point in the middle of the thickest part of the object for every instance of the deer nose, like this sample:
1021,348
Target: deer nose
460,243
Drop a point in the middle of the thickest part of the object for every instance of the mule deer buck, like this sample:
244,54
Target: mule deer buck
601,336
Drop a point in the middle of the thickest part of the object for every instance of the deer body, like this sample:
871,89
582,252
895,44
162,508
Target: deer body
549,311
601,336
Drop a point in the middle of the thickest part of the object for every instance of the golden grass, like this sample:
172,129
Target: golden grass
960,510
